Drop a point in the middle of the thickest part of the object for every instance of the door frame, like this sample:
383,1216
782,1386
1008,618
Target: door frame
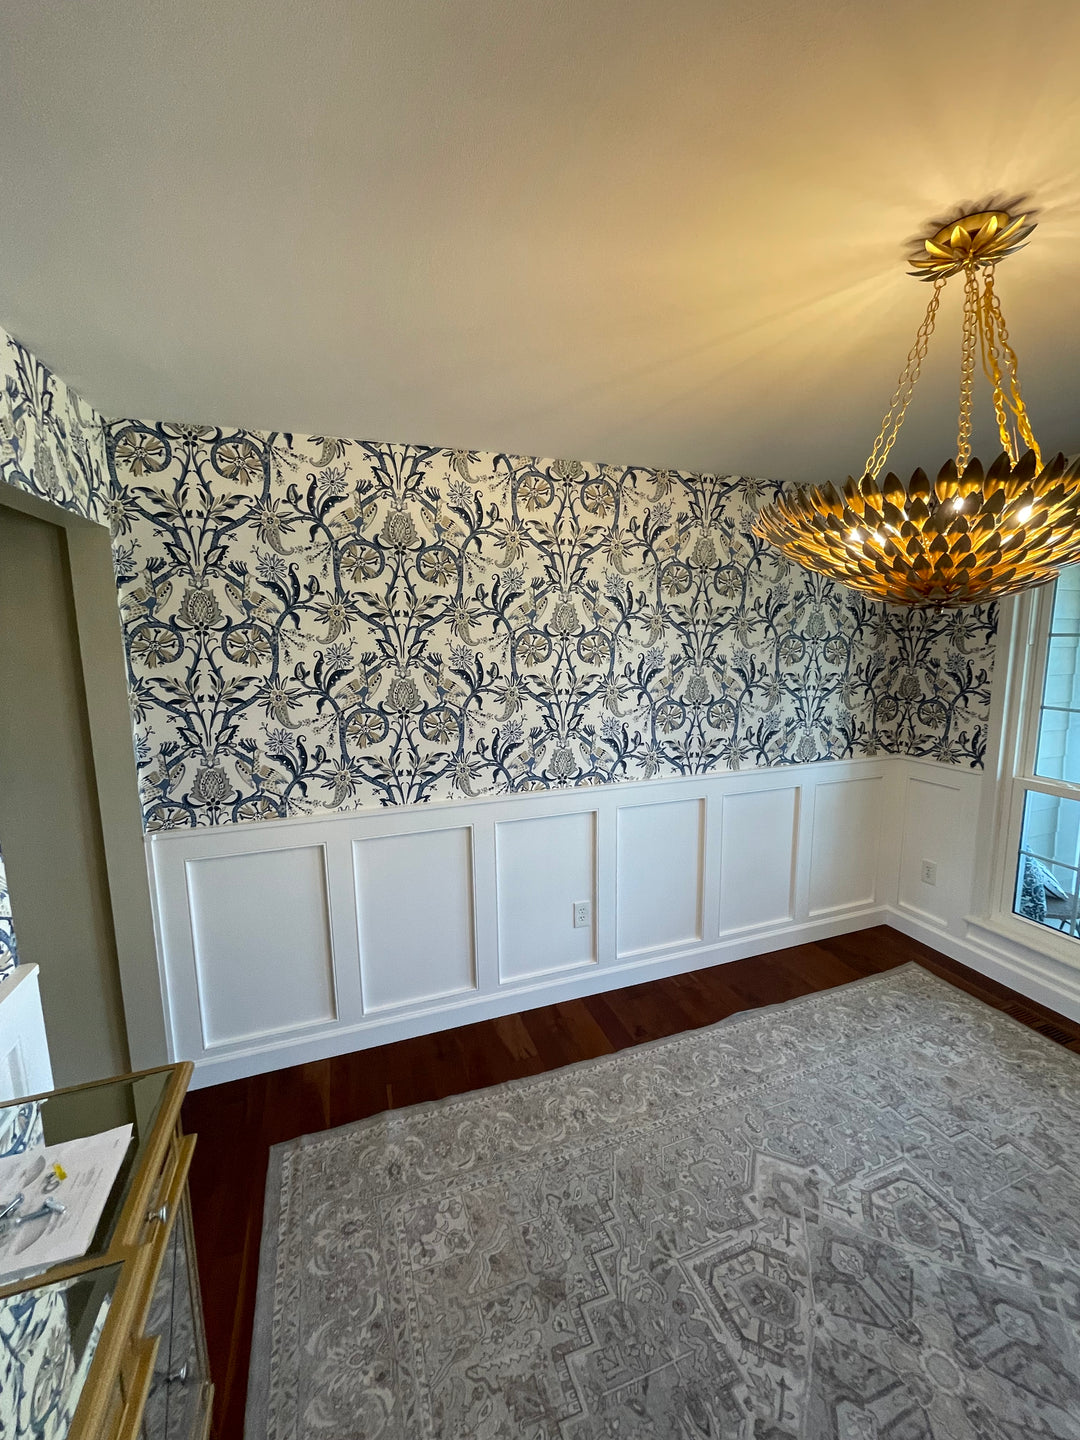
115,779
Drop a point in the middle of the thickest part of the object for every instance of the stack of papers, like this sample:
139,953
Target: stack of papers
76,1175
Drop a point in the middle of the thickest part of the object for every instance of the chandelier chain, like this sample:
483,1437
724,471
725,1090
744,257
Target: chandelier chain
1016,399
967,367
991,360
894,415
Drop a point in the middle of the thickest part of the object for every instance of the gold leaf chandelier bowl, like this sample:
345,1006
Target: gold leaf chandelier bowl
946,543
969,536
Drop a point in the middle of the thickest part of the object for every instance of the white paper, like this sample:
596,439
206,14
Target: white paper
91,1165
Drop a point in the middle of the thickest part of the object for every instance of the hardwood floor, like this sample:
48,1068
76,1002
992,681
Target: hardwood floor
237,1123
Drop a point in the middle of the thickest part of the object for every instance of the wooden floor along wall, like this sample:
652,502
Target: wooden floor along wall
239,1122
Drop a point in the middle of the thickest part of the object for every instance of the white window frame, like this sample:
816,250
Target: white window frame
1019,671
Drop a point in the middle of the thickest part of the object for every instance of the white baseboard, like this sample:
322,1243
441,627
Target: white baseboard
985,950
1027,973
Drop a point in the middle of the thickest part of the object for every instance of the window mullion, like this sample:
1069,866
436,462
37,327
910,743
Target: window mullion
1063,789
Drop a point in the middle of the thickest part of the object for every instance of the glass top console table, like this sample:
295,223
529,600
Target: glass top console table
110,1345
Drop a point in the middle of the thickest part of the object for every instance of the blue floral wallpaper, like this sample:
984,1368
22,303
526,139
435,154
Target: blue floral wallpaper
932,697
51,441
316,624
321,624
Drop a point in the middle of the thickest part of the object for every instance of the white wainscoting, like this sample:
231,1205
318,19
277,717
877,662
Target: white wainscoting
941,810
659,840
759,854
239,950
414,903
938,806
544,866
293,940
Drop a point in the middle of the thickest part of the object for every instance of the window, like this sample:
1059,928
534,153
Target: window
1044,845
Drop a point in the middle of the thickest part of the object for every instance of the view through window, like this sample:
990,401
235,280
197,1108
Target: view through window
1048,872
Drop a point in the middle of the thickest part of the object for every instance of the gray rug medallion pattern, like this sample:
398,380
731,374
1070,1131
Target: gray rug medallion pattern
854,1216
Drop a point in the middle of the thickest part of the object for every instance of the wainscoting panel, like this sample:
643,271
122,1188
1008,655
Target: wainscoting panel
661,850
290,940
544,867
938,816
261,942
846,834
414,900
757,858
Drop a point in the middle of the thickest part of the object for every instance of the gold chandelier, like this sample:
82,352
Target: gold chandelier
970,535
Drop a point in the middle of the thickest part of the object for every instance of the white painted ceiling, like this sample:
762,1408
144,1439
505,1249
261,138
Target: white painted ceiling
627,230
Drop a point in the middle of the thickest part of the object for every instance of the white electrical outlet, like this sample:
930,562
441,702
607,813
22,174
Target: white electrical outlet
582,914
929,872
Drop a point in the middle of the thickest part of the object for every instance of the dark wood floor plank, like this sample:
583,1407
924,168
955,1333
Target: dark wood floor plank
357,1085
238,1122
487,1059
764,980
569,1031
515,1039
608,1021
641,1012
879,952
822,968
297,1102
711,997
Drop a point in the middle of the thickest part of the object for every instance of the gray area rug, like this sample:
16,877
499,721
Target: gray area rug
853,1216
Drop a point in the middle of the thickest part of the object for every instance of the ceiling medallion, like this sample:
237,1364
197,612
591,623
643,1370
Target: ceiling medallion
970,535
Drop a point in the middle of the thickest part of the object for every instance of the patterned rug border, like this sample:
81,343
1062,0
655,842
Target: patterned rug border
258,1397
